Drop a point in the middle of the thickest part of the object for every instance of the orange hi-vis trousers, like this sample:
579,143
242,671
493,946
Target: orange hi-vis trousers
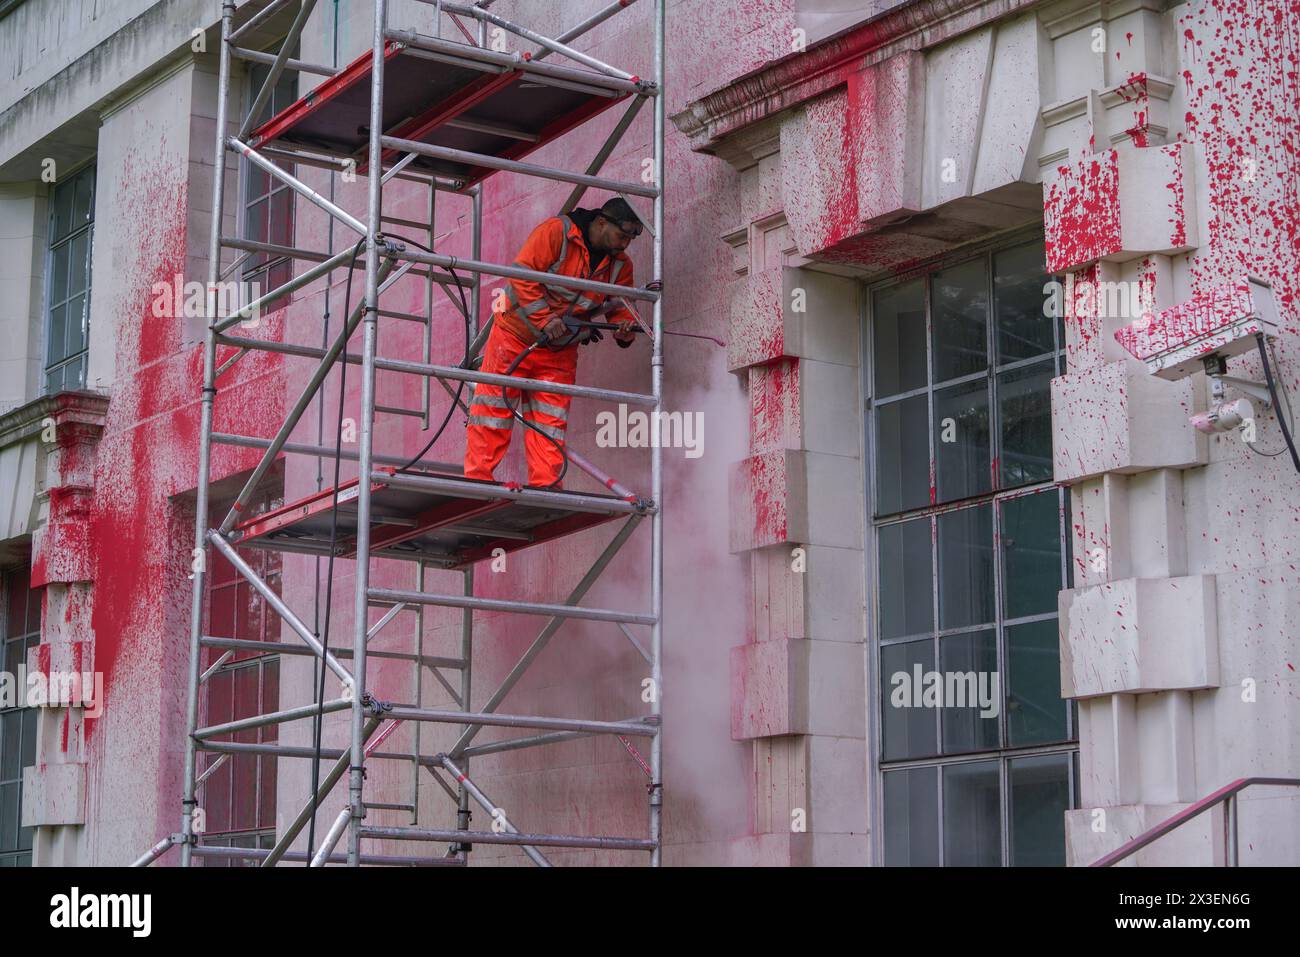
490,421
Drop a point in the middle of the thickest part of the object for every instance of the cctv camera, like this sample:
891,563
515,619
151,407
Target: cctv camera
1224,417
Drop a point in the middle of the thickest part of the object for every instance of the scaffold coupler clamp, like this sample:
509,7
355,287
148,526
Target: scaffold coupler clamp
376,707
190,806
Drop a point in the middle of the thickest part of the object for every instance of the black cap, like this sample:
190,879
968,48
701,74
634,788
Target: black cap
619,210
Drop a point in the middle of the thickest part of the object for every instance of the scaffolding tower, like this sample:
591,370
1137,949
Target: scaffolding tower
445,114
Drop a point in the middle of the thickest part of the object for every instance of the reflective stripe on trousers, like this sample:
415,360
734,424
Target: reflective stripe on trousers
491,423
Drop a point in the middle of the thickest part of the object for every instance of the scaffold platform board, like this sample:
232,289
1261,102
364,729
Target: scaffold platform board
470,99
445,521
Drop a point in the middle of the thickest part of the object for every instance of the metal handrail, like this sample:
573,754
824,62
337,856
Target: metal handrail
1227,794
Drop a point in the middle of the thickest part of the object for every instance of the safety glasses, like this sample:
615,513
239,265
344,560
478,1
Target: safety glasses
630,230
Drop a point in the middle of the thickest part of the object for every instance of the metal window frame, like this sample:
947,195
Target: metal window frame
994,499
223,665
385,261
263,270
51,247
29,639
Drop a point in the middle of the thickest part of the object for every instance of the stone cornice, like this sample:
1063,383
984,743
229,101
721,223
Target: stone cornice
25,421
798,77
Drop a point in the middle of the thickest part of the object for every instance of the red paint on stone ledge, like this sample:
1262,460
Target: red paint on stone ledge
1081,212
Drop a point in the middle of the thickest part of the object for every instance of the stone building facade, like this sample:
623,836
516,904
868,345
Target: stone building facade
918,227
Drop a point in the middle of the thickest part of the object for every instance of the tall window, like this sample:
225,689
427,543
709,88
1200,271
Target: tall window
67,270
268,202
238,799
20,630
971,549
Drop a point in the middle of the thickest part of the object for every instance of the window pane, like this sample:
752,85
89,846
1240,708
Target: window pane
79,256
14,653
1031,554
216,796
1025,413
76,321
61,211
244,804
969,665
220,699
961,441
244,811
1024,328
266,774
909,727
972,818
11,745
966,567
270,696
902,456
256,225
221,614
29,738
60,261
959,304
1035,708
83,204
33,602
285,92
58,335
247,698
912,818
282,217
898,324
906,579
74,376
15,586
9,817
1039,799
266,791
54,380
249,624
274,278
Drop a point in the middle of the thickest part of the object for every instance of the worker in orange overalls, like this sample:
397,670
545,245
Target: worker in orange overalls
588,244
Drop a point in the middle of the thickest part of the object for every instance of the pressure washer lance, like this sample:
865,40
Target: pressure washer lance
578,324
641,325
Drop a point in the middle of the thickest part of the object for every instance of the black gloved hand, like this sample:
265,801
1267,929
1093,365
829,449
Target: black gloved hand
593,335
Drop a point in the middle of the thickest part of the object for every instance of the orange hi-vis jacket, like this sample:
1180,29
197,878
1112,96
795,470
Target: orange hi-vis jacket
556,245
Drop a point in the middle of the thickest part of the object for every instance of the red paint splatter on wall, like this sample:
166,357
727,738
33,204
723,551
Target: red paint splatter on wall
1081,211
